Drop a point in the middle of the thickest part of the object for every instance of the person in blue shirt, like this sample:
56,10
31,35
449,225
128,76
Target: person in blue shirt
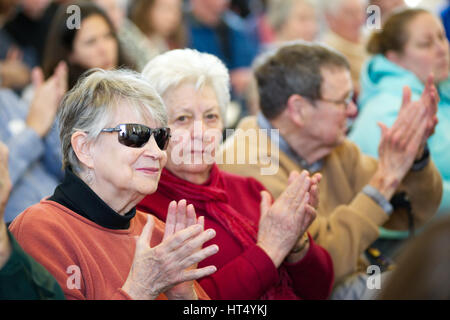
214,29
31,135
407,50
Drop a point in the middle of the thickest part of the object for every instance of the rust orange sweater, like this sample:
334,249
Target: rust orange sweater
68,245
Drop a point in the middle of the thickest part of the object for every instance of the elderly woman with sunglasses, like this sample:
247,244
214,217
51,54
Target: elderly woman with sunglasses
88,234
265,252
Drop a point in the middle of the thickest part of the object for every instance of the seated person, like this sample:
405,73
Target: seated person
136,46
213,29
305,95
31,135
113,135
265,251
95,44
345,20
293,20
411,46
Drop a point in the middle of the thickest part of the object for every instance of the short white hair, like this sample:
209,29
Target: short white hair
330,6
279,11
173,68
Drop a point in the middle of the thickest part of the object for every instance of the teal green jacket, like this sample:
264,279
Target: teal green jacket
382,83
22,278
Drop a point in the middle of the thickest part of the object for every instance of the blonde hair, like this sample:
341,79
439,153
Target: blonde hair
93,101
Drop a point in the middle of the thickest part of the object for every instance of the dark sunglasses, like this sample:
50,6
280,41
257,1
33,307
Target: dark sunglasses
137,135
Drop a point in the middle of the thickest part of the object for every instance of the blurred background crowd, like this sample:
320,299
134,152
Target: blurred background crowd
237,31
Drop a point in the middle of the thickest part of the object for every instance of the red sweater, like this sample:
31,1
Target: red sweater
246,274
63,241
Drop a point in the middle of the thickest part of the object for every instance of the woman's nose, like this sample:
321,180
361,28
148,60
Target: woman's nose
198,130
352,109
152,150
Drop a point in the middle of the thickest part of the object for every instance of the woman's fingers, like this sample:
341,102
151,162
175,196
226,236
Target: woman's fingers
293,193
181,216
292,176
266,202
316,178
191,217
190,275
310,216
170,220
302,192
147,231
384,129
419,115
177,239
417,138
193,244
190,252
314,196
198,256
406,97
201,221
300,209
314,190
37,77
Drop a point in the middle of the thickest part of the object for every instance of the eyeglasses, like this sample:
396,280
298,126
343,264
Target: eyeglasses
137,135
345,102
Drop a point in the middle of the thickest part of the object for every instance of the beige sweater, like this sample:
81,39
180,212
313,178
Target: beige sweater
355,53
348,220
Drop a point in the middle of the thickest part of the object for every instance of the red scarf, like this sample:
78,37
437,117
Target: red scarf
211,197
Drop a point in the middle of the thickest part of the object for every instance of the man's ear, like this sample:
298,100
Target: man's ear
82,148
295,107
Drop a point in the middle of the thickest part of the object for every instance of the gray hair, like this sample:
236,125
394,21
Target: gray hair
279,10
173,68
331,6
92,103
294,68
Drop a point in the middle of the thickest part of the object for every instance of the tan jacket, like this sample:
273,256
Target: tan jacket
355,53
348,220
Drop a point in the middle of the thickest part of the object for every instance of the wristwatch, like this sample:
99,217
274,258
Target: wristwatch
421,163
376,196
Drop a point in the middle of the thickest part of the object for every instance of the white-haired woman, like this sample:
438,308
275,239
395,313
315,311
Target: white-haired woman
113,134
293,20
265,252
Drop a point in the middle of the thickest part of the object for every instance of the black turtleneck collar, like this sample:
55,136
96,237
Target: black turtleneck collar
76,195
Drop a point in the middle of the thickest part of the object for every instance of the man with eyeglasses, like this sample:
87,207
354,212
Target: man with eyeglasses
305,91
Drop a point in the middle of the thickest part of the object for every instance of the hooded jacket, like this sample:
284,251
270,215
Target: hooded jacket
382,82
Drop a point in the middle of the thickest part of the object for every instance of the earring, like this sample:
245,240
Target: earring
89,178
